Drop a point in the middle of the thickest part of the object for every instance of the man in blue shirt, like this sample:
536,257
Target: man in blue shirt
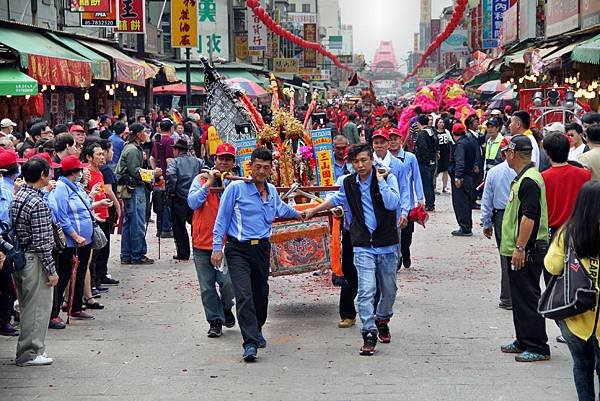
118,140
372,197
246,213
495,197
415,186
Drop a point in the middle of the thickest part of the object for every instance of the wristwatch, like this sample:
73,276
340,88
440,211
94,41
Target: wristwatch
520,248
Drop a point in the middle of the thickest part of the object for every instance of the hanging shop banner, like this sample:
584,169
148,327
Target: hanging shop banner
184,23
527,19
101,19
509,31
60,71
286,65
323,148
132,16
589,12
310,55
257,31
243,152
213,30
241,47
561,16
92,6
499,7
275,39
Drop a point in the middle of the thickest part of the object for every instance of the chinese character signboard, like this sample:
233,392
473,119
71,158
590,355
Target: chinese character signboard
213,27
493,15
526,18
310,55
132,16
184,23
509,30
561,16
101,18
257,32
243,151
286,65
92,6
323,148
241,47
589,13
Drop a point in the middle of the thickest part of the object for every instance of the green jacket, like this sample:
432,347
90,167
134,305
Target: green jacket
350,131
130,163
510,222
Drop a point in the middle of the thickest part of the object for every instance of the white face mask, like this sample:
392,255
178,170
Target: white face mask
78,177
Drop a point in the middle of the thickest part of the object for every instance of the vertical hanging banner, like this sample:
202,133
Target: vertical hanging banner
184,23
323,148
243,152
310,55
213,29
257,31
92,6
132,16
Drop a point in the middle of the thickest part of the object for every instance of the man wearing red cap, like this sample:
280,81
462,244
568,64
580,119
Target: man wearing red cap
217,305
181,171
462,172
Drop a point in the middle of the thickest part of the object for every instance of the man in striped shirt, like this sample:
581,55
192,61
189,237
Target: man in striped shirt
32,220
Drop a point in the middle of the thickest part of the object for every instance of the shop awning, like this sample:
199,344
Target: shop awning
127,70
150,70
196,76
587,52
15,83
100,64
169,70
47,61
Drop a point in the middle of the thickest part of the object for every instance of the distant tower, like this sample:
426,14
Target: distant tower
385,58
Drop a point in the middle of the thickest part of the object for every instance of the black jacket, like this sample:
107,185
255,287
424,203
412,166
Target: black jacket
385,234
464,157
426,147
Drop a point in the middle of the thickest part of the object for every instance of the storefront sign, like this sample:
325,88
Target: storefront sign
589,11
302,18
257,31
213,27
509,32
310,35
323,149
92,6
275,39
457,41
243,152
101,19
286,65
184,23
527,19
425,11
241,47
346,58
499,7
132,16
60,71
493,15
561,16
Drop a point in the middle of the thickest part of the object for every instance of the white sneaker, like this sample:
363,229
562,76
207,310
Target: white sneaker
39,360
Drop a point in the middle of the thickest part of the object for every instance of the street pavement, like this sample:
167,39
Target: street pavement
150,342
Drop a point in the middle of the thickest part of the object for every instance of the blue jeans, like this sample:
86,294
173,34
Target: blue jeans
374,270
133,235
427,176
208,276
586,359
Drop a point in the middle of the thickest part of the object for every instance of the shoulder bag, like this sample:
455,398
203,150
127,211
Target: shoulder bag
571,293
99,240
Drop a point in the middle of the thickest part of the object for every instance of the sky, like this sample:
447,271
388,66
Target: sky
377,20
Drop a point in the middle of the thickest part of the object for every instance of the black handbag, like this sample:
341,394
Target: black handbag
571,293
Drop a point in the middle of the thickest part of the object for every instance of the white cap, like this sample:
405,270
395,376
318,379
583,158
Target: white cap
496,112
555,127
7,122
92,124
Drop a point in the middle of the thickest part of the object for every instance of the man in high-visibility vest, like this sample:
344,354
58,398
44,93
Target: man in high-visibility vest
524,243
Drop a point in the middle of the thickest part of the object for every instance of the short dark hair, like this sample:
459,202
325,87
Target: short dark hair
12,169
352,117
593,133
356,149
524,117
165,125
119,127
207,119
60,128
105,144
135,129
557,147
61,141
33,121
33,169
418,110
575,127
37,129
262,154
423,119
451,110
591,117
89,151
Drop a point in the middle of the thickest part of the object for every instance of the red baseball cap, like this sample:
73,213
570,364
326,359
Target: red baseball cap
505,142
458,127
382,132
76,128
225,149
46,157
71,162
508,108
394,131
8,158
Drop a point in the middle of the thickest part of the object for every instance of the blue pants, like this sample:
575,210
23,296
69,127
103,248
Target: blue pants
374,270
133,235
214,305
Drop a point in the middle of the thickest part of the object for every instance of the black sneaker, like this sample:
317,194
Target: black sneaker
229,319
370,341
109,281
143,261
250,353
262,342
462,233
101,289
383,331
216,329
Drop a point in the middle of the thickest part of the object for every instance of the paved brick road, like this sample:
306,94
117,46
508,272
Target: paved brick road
150,343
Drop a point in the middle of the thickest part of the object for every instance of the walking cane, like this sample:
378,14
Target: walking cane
74,267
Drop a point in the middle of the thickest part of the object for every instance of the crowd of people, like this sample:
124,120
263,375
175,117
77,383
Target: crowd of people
535,189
